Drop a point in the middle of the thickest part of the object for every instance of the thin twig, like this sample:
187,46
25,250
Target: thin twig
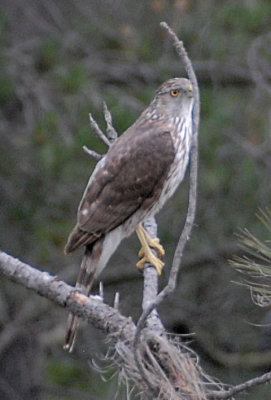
97,131
92,153
120,330
111,133
227,394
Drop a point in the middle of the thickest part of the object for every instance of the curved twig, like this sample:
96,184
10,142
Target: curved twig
111,132
96,156
97,131
227,394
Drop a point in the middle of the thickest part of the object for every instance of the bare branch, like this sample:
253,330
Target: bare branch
150,291
227,394
91,309
96,156
111,133
97,131
170,367
151,283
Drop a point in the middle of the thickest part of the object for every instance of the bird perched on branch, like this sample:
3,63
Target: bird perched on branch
139,173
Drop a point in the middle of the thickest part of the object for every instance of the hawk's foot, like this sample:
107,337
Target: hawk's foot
154,243
146,253
152,259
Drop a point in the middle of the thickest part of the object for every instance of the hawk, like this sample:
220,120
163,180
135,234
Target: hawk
139,173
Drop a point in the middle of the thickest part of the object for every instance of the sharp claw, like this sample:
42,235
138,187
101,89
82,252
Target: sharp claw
155,244
158,247
146,253
141,253
156,262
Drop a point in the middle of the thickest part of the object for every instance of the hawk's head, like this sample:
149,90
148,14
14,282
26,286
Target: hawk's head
174,98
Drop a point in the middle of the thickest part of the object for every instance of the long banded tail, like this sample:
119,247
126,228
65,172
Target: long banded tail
84,283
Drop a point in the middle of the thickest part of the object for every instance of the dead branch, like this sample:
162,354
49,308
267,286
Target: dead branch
227,394
103,317
97,131
150,289
96,156
170,366
111,133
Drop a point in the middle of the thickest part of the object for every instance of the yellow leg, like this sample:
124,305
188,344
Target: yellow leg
146,253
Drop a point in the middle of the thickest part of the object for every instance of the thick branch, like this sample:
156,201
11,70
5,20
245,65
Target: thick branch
151,283
169,366
100,315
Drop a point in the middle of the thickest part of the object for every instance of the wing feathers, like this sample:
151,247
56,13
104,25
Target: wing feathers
132,176
78,238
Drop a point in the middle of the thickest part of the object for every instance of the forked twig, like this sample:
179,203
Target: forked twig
108,139
111,132
97,131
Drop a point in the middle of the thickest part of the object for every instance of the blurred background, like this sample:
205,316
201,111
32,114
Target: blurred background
58,62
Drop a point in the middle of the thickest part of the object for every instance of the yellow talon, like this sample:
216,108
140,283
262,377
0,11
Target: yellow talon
153,260
154,244
146,253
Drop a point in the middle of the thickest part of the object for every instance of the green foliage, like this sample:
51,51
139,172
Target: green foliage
68,374
244,18
256,263
49,149
73,80
49,56
6,163
7,93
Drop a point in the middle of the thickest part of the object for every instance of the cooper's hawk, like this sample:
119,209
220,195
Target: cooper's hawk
140,171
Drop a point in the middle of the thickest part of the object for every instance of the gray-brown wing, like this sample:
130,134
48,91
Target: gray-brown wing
131,177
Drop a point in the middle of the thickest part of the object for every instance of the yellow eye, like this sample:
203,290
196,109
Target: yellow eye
174,93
